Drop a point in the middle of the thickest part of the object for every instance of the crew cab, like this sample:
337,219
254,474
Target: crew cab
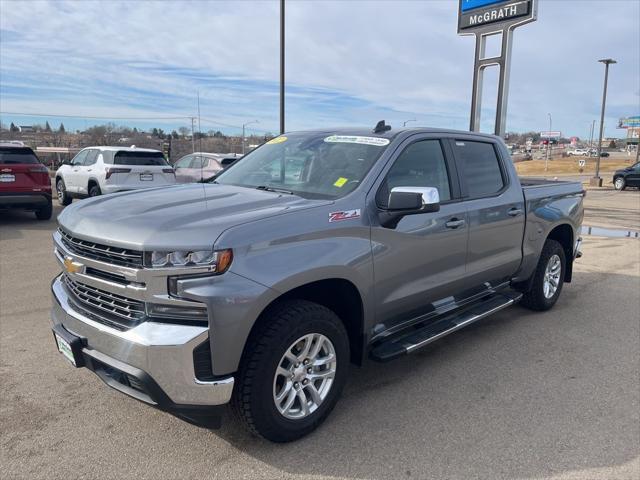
98,170
24,181
316,250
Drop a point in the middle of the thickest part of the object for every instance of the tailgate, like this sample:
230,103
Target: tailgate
24,178
144,176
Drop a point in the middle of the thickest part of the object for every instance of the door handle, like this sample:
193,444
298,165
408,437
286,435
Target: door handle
88,169
454,223
514,212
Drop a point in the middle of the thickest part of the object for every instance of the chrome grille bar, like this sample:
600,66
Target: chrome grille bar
110,254
132,311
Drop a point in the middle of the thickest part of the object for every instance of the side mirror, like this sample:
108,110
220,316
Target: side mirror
409,201
66,162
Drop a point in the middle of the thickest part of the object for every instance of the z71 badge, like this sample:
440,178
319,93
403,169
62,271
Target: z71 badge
344,215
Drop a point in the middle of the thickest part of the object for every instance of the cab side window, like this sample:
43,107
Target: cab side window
421,164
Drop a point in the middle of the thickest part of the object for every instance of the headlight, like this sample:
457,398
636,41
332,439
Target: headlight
218,260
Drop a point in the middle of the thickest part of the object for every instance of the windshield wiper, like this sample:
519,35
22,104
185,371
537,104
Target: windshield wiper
267,188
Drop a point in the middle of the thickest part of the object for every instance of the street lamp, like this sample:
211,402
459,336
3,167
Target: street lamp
546,162
596,180
404,124
243,127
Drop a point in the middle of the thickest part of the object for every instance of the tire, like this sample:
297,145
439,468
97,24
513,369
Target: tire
63,196
538,298
259,379
45,212
619,183
94,191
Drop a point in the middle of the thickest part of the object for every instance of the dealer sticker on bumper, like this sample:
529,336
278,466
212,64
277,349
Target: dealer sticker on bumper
65,349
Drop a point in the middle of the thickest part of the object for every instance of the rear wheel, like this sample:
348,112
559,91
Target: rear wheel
63,196
94,190
620,183
548,278
45,212
293,371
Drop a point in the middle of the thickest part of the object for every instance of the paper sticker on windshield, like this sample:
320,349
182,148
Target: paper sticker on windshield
377,141
340,182
344,215
277,140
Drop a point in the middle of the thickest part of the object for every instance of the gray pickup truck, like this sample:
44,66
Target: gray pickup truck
315,251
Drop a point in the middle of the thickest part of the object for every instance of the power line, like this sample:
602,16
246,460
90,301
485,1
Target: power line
92,117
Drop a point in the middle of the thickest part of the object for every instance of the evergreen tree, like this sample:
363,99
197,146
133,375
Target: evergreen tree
47,127
13,128
61,129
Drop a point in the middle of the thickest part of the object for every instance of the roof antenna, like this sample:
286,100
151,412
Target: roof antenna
381,127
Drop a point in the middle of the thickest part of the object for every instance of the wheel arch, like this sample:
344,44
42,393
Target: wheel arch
564,235
339,295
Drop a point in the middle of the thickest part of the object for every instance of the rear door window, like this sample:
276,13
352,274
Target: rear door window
14,156
479,167
148,159
184,162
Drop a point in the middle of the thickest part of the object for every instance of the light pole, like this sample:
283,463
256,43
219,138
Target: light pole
281,67
546,163
404,124
596,180
243,127
593,127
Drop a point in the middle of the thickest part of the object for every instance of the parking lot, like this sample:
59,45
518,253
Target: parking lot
519,395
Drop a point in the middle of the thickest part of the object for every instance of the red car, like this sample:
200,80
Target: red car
24,181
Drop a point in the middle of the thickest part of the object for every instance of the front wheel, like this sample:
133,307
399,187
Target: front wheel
548,278
620,183
292,372
63,196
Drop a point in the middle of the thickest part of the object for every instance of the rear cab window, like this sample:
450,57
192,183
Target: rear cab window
480,168
149,159
17,155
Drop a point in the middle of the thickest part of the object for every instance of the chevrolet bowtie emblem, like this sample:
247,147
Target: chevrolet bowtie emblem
72,267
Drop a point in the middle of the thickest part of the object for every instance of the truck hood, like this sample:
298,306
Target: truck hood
184,216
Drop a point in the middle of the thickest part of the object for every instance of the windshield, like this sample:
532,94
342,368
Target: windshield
13,156
311,165
139,158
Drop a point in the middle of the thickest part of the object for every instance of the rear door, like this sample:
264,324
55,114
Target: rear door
21,171
141,169
420,264
182,169
495,209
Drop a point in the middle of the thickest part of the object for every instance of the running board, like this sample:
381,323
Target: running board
415,338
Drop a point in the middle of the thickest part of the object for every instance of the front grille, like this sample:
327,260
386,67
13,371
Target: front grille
104,253
109,308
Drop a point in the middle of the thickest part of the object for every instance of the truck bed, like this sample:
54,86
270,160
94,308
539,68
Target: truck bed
538,188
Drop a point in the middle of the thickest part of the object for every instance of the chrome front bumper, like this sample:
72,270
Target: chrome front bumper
164,352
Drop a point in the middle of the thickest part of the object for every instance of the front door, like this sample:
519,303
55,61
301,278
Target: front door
72,176
419,264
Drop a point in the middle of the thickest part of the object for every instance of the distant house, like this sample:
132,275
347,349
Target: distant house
25,128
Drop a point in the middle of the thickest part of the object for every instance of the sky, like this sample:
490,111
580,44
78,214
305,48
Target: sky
349,63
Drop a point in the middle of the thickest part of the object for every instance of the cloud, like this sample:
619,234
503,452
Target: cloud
347,62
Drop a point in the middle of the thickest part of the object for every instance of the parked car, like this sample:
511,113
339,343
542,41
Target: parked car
602,154
24,181
315,250
627,177
99,170
201,166
582,152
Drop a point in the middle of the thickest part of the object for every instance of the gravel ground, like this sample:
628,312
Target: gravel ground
520,395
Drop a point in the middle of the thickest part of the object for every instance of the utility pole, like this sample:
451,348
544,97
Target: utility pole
546,162
281,67
199,129
593,127
243,127
193,138
596,180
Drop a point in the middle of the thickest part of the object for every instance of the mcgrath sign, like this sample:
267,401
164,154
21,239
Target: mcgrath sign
477,15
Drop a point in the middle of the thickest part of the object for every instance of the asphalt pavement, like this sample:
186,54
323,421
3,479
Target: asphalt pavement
519,395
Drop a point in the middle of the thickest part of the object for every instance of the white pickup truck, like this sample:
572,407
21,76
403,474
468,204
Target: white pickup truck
578,152
98,170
